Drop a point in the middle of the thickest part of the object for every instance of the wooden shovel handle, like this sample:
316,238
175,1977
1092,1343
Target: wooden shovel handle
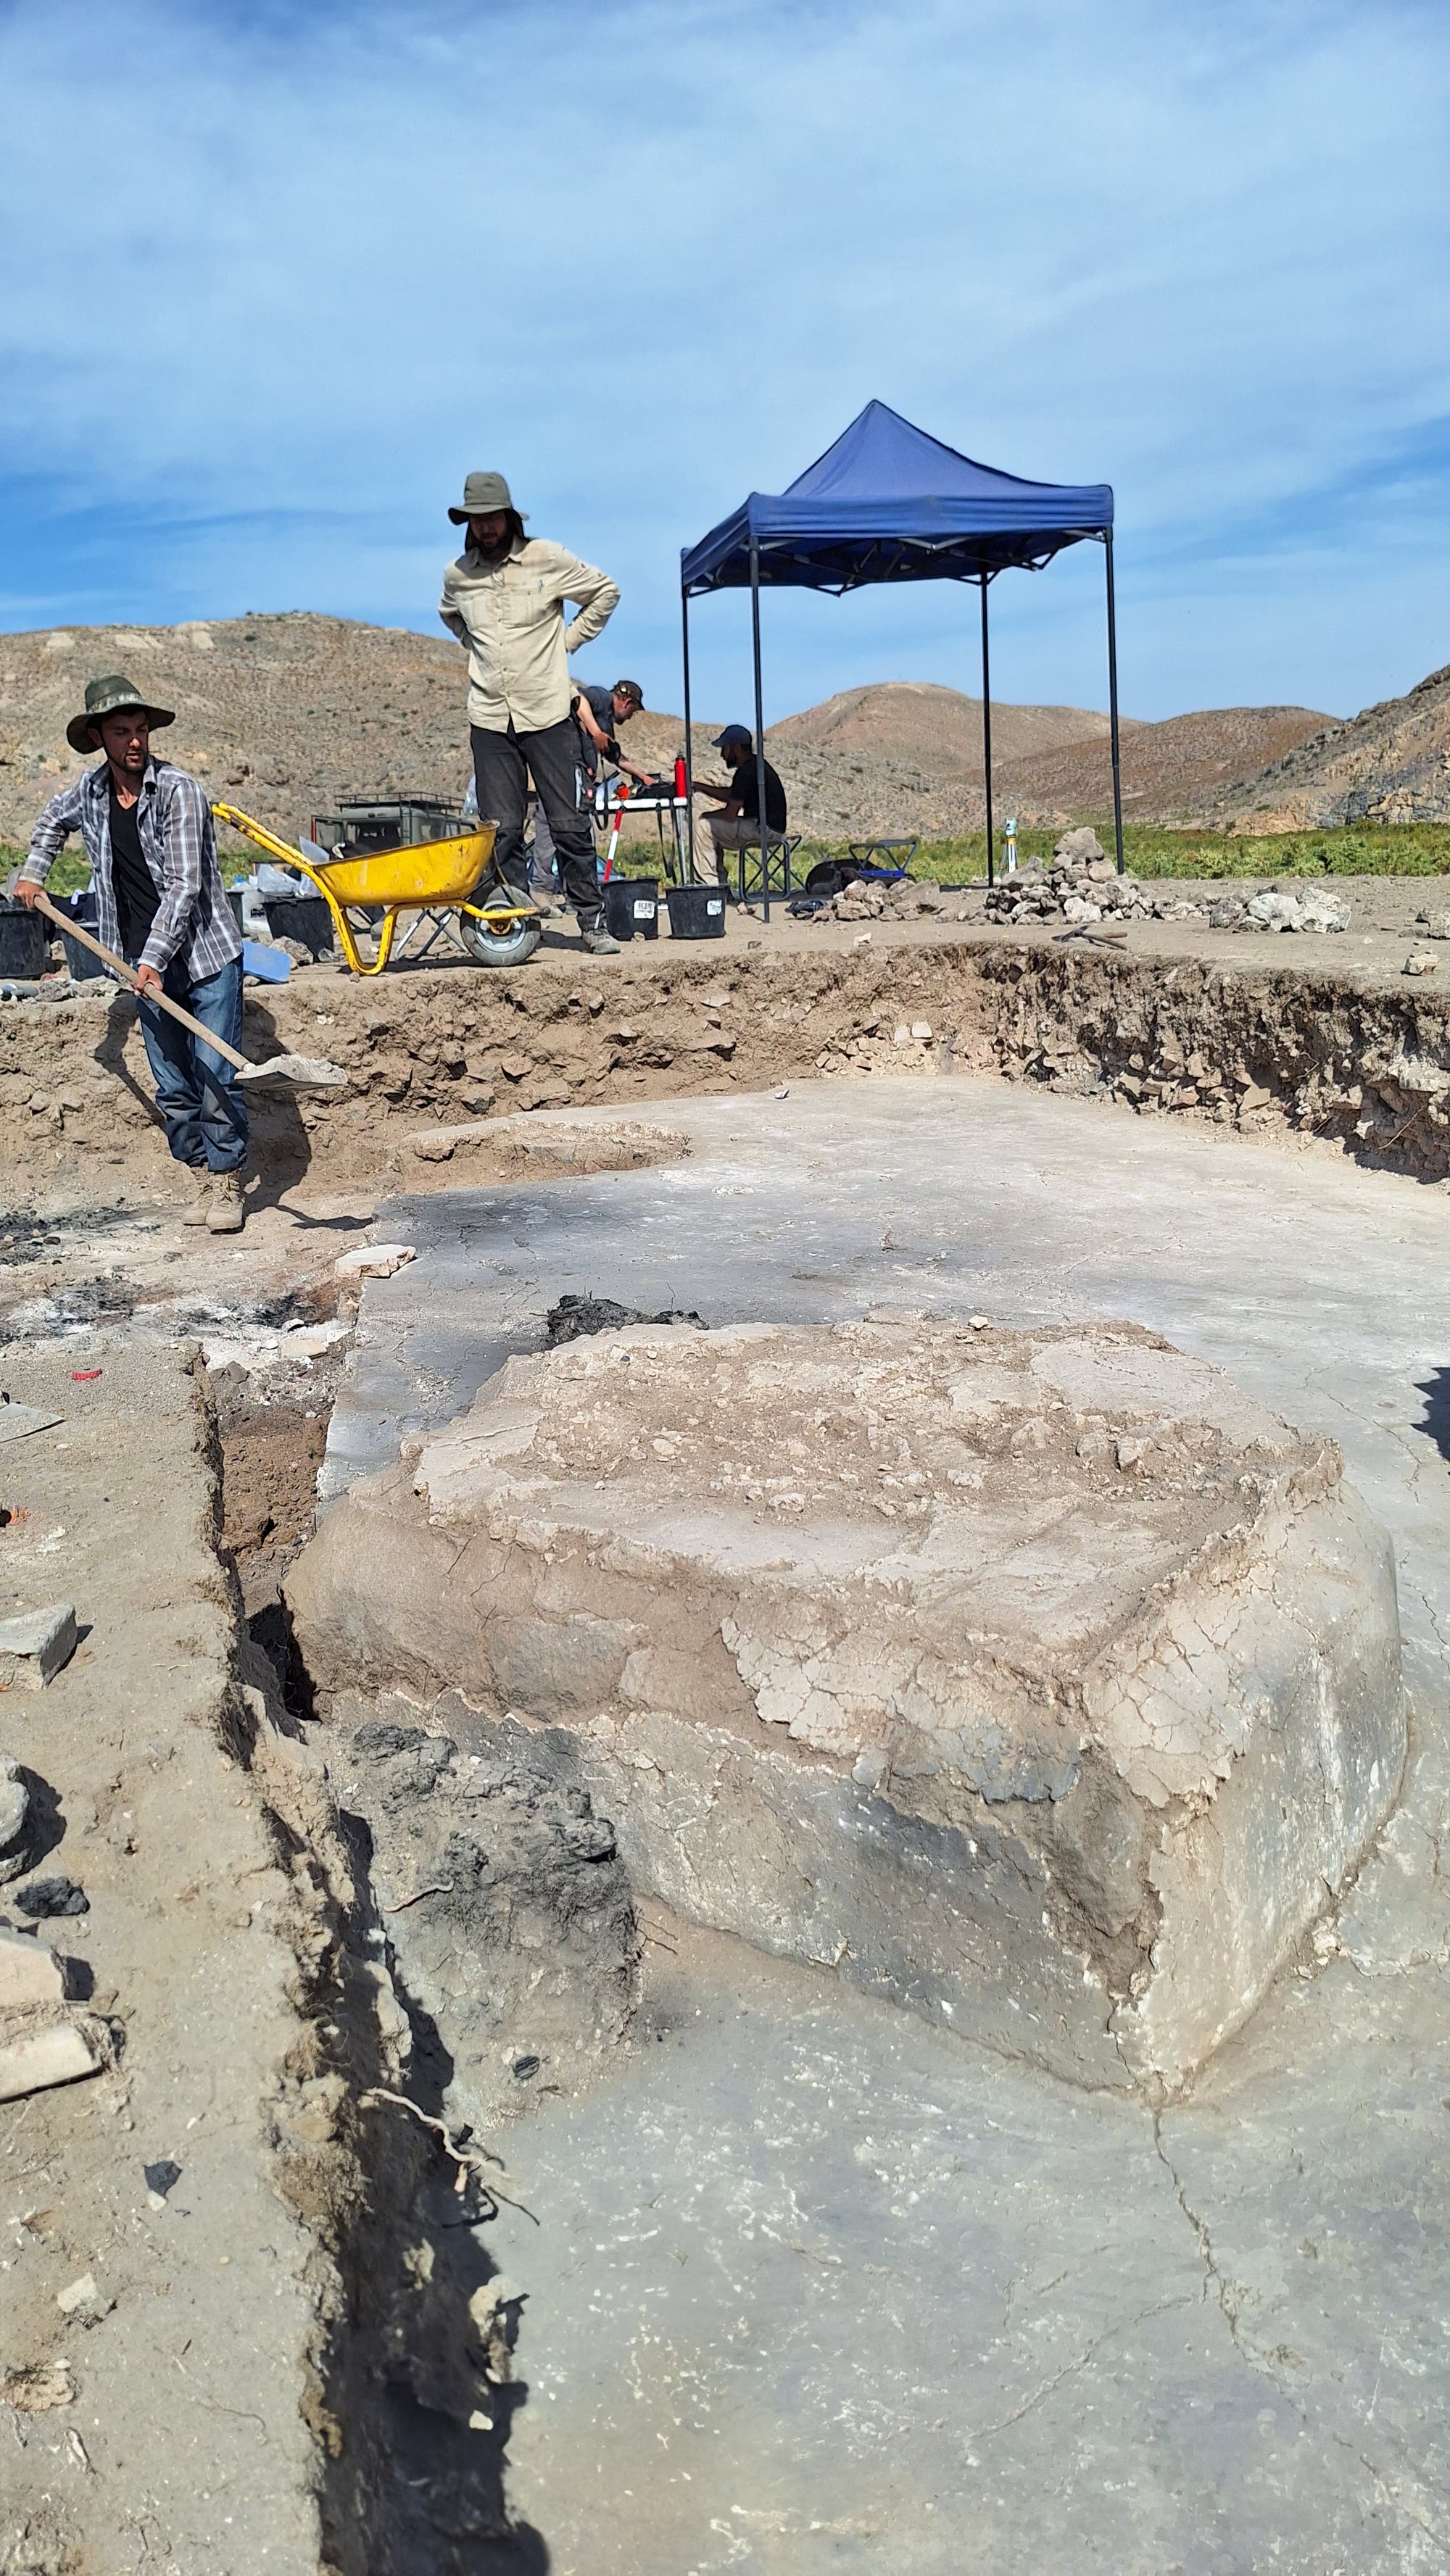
118,966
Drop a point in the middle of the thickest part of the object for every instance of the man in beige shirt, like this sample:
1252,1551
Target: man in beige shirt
504,599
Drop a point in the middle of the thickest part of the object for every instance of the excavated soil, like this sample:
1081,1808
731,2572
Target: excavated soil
1309,1038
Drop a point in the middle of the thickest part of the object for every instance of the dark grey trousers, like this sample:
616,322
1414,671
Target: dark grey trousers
502,764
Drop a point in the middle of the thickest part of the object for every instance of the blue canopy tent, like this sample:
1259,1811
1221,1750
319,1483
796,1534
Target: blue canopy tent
888,503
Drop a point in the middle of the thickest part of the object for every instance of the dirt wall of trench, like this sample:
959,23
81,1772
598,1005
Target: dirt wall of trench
1361,1064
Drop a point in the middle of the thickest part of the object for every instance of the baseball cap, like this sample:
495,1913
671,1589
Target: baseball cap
733,733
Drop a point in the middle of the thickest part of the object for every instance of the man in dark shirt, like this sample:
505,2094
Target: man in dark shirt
598,713
738,828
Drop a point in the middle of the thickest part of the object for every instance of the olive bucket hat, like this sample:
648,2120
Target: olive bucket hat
482,495
107,698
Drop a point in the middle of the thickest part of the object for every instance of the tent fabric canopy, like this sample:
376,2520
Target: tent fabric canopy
887,502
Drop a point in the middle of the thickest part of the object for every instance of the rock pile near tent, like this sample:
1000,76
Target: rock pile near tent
1082,886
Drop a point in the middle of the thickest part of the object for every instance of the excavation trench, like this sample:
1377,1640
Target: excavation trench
467,1937
1355,1059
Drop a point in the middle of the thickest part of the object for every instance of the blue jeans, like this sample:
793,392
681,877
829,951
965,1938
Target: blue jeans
196,1091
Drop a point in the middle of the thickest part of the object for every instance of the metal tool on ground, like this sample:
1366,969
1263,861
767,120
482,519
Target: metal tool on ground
280,1073
434,877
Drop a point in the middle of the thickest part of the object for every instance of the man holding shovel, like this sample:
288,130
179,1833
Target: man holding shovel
147,832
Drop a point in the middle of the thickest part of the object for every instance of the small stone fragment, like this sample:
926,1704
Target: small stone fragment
161,2178
374,1261
84,2301
48,1896
29,1973
1419,962
14,1818
35,1645
58,2054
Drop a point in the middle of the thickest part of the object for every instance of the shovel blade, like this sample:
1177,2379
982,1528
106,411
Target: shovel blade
294,1073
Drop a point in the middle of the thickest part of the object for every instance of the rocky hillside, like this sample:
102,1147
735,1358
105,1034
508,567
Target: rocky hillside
1390,764
281,715
934,730
287,715
1170,770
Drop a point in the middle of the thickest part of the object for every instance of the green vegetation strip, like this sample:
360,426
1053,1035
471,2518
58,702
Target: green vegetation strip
1151,850
1155,850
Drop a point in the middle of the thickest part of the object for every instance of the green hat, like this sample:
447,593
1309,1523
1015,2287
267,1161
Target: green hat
483,494
107,698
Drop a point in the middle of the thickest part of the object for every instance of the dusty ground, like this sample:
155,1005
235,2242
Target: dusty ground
265,2033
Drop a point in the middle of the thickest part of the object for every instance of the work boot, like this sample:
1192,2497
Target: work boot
597,940
199,1203
226,1214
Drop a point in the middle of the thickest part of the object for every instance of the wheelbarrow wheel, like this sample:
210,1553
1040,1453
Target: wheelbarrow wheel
508,945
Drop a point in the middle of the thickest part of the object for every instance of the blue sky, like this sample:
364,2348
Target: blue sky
277,277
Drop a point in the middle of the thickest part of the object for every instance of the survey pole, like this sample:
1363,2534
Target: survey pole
987,731
687,859
1113,701
759,737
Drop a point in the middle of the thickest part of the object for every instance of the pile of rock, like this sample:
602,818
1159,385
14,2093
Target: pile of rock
1082,886
904,901
1277,908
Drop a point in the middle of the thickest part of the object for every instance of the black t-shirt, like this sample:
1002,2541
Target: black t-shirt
601,707
746,786
137,897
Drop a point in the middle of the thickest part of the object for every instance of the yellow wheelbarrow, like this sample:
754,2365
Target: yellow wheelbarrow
426,876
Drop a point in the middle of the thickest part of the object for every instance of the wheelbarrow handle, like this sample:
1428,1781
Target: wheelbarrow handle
163,1001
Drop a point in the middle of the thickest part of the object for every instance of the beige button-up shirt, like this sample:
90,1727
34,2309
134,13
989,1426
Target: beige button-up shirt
511,617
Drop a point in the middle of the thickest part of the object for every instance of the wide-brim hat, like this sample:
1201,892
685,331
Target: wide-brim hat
482,495
107,698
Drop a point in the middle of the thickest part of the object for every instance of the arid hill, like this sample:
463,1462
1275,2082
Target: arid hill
1389,764
935,730
1170,770
287,715
282,715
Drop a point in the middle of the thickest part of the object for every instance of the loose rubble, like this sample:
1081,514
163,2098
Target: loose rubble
35,1645
907,900
1082,886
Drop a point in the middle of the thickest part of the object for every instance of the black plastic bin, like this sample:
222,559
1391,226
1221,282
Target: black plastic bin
632,907
82,967
696,912
303,917
24,941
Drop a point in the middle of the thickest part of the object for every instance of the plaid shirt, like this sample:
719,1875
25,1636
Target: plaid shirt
194,920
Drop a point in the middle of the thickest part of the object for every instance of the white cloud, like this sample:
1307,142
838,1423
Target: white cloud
277,290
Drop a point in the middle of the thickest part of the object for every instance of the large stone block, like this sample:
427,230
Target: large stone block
1041,1681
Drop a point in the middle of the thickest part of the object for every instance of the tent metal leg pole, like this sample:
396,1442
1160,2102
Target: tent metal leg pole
987,737
1113,704
687,851
759,737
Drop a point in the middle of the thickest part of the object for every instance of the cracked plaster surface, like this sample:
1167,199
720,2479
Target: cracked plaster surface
1310,2438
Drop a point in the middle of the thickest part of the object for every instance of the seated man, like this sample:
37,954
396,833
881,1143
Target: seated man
738,828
